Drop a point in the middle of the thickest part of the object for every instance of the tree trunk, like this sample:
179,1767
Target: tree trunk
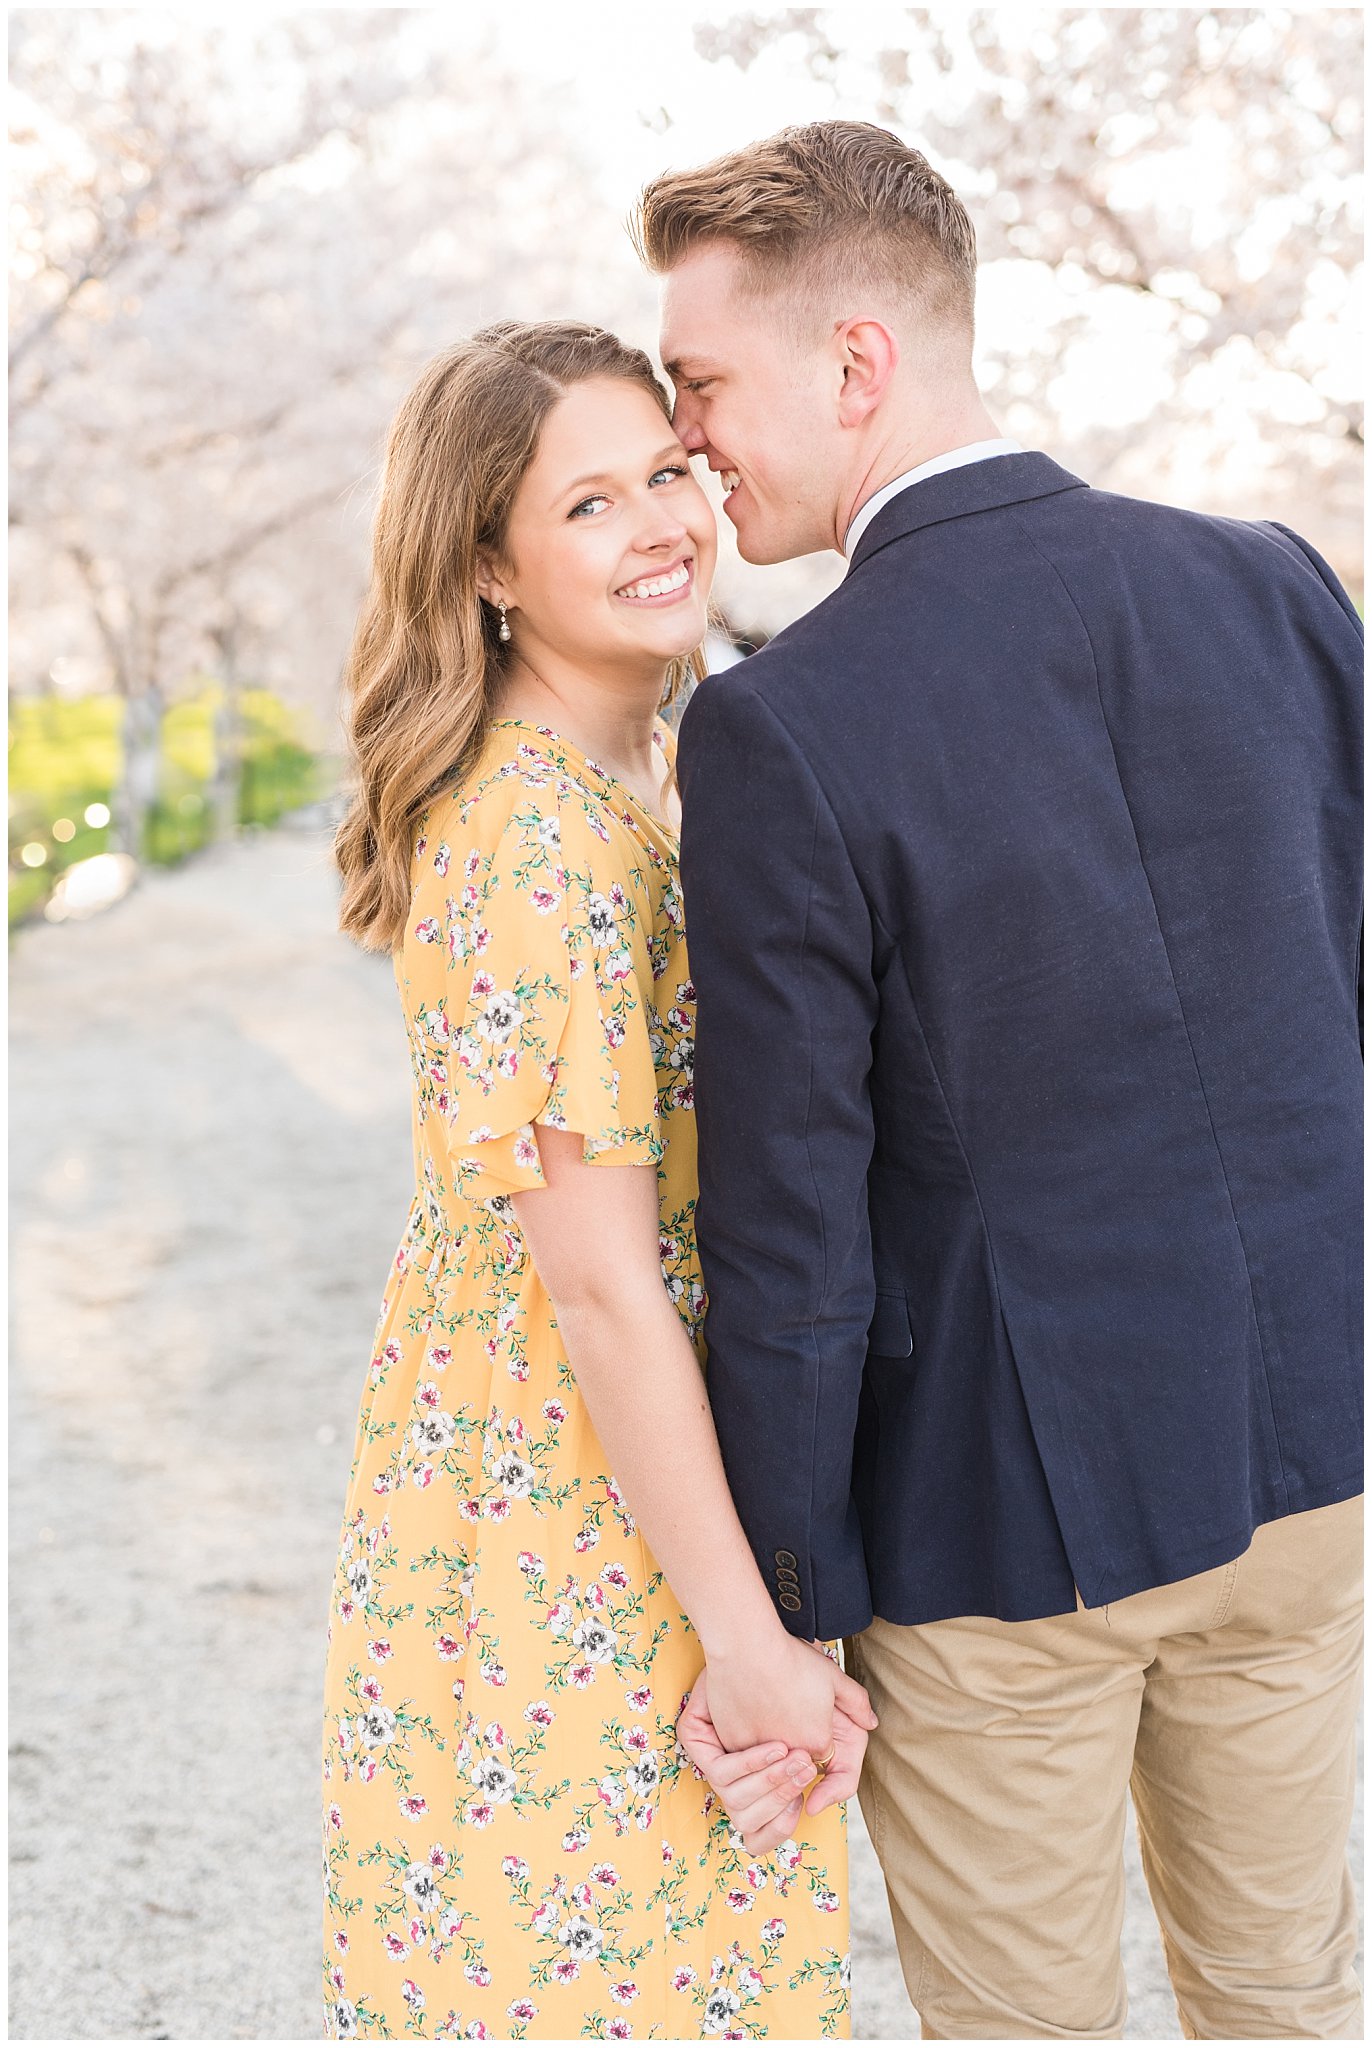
226,779
136,792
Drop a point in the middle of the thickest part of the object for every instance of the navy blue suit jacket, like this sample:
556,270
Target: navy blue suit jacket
1021,881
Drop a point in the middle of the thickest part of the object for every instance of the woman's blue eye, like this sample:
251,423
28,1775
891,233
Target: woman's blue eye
599,497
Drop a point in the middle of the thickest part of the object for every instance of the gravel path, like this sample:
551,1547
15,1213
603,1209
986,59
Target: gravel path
211,1165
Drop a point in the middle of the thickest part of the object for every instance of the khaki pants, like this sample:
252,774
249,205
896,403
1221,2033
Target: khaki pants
995,1794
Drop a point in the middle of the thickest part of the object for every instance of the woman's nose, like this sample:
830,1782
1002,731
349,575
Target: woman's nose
660,529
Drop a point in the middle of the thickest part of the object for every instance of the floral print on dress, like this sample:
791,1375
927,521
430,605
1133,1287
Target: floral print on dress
515,1845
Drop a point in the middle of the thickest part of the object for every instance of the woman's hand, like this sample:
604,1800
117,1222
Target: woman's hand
763,1786
780,1689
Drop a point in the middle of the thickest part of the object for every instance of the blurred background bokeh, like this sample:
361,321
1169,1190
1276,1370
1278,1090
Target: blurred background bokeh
236,235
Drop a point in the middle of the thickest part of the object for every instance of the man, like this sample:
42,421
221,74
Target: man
1022,881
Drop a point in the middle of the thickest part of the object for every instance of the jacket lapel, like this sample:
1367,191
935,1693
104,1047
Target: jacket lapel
958,493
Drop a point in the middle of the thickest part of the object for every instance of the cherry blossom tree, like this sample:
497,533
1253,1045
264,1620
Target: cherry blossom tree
232,249
1168,212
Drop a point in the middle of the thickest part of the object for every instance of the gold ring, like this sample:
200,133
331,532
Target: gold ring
822,1763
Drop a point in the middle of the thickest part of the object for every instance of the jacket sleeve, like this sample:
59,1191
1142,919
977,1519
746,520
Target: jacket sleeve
780,942
1323,571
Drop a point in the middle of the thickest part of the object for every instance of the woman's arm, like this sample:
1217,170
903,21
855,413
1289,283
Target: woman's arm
592,1233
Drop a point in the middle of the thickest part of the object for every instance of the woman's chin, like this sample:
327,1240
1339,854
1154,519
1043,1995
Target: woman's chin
674,640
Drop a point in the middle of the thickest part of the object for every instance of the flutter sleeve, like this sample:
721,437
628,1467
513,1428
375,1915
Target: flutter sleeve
548,983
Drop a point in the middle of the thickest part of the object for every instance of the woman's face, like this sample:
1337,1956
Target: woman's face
611,543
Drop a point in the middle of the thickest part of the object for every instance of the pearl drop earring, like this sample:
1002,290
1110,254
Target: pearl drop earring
504,625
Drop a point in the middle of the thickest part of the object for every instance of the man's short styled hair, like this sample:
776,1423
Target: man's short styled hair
817,211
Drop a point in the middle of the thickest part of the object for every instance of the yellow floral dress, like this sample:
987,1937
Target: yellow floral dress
515,1847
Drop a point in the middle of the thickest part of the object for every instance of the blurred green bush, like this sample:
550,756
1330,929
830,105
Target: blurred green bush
64,758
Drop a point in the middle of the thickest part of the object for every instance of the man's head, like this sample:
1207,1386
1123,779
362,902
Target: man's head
817,322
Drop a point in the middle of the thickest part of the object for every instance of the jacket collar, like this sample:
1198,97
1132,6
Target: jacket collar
957,493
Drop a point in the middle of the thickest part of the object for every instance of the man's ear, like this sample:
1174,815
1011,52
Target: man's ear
868,356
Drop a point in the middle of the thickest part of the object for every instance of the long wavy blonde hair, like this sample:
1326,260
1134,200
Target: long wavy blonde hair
425,668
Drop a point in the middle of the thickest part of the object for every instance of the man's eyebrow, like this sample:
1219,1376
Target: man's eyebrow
679,365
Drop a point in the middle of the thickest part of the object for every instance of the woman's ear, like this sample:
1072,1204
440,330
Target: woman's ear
489,582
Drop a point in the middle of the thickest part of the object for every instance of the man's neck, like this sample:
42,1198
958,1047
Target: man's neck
916,442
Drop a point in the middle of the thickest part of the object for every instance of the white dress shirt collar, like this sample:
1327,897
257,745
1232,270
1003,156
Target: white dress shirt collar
975,451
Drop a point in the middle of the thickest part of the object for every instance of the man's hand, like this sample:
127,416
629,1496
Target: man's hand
762,1788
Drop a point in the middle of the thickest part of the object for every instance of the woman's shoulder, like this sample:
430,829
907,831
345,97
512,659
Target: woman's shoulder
527,785
516,769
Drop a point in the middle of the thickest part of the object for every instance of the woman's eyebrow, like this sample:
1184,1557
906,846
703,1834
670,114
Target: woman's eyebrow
600,477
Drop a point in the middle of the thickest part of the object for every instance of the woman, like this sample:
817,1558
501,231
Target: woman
539,1548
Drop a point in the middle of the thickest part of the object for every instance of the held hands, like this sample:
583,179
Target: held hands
809,1705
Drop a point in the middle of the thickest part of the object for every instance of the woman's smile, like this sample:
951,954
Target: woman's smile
664,587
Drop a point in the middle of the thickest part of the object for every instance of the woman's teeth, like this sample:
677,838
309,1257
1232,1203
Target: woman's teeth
659,586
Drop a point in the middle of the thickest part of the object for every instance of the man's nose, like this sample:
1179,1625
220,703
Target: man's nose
690,433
